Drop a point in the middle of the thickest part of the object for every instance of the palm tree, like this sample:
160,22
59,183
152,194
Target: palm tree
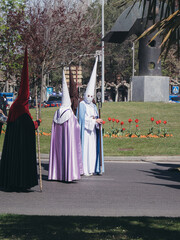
168,25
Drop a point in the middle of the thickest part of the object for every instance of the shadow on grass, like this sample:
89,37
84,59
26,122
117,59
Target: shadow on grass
72,228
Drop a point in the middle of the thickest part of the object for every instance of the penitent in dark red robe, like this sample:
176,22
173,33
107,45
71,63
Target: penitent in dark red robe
18,166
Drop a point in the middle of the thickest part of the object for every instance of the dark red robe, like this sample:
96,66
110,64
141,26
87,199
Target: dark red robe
18,167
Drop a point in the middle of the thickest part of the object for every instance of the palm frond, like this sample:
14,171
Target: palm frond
166,38
166,47
167,28
168,24
162,6
158,33
144,5
149,30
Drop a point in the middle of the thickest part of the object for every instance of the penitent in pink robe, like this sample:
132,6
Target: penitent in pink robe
65,163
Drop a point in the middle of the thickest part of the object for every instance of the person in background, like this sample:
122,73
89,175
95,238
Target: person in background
73,92
3,114
5,105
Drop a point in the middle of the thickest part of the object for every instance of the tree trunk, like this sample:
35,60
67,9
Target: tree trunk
6,89
117,94
43,84
44,88
38,142
129,94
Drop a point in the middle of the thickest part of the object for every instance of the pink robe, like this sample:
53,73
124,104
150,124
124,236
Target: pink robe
65,161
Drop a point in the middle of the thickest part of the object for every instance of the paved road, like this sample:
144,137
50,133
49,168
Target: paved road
45,157
126,189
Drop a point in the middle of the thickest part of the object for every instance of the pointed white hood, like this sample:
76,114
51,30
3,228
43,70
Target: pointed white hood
66,101
89,94
65,111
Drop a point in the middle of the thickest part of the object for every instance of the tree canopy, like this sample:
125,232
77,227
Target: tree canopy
63,32
10,39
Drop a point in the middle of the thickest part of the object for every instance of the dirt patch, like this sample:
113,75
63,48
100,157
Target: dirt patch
126,149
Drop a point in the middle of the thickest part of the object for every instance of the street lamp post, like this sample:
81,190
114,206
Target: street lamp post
133,70
102,69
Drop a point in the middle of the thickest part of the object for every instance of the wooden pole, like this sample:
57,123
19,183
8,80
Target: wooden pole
100,139
38,142
99,100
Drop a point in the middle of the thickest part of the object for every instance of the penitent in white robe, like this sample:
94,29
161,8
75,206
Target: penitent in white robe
90,140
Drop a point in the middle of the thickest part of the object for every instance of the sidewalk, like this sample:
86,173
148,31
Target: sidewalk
45,157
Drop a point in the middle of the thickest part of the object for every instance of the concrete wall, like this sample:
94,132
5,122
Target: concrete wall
150,89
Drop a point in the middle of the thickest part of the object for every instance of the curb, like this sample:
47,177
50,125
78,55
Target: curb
45,157
143,158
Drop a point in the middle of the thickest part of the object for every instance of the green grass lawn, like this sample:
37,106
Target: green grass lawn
21,227
143,111
129,146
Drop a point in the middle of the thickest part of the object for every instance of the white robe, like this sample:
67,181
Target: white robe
90,144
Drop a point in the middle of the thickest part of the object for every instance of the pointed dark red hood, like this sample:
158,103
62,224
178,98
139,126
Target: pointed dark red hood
20,105
73,92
